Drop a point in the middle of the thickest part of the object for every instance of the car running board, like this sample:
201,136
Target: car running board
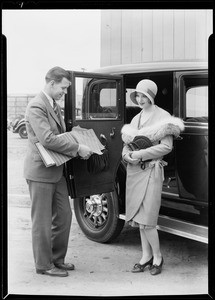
181,228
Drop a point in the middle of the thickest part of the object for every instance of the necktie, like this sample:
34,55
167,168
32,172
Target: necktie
55,108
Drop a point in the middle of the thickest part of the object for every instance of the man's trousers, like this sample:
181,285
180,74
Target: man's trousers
51,221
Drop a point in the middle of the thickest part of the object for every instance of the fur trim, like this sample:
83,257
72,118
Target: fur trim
128,133
169,126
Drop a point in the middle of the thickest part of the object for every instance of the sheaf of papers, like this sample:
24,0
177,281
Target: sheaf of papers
77,135
86,137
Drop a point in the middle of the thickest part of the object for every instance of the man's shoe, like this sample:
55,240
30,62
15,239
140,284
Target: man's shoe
65,266
53,272
155,269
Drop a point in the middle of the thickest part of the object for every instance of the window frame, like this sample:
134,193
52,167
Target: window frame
196,104
89,97
70,97
187,80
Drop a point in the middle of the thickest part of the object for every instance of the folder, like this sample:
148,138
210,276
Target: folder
78,135
51,158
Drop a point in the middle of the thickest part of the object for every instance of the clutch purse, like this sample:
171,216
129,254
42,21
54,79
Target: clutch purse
140,142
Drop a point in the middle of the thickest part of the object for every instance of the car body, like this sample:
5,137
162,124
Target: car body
17,125
20,128
103,100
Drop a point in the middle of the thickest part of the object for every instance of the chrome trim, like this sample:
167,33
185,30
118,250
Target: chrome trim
194,126
170,194
121,216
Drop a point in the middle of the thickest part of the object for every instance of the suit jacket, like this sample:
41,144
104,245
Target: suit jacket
43,125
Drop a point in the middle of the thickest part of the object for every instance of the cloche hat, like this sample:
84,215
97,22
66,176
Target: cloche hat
147,87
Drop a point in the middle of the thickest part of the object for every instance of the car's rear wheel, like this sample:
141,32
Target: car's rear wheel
98,216
23,132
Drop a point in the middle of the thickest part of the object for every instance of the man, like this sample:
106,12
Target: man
50,212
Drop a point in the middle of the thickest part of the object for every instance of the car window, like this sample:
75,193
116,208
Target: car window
96,99
197,103
127,96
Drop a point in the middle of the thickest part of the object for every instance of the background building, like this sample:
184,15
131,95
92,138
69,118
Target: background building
135,36
16,104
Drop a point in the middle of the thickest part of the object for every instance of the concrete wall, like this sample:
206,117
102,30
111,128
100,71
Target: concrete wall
16,104
134,36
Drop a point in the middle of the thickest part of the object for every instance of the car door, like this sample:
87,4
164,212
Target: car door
94,101
192,150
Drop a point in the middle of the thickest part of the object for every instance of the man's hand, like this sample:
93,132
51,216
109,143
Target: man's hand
84,151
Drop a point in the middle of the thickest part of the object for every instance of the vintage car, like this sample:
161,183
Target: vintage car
17,125
103,99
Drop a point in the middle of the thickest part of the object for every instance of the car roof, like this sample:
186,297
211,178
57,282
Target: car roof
153,67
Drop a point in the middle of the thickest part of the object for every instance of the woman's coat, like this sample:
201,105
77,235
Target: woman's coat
143,187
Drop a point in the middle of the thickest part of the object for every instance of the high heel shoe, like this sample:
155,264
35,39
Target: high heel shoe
155,269
140,268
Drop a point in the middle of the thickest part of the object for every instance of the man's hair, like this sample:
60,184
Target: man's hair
57,74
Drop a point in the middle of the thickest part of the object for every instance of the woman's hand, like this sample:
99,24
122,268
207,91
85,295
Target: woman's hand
137,154
128,157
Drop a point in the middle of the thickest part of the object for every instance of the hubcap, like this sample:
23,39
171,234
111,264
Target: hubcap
96,210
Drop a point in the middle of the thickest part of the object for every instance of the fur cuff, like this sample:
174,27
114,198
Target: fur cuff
169,126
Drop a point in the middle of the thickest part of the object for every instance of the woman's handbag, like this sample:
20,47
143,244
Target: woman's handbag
98,163
140,142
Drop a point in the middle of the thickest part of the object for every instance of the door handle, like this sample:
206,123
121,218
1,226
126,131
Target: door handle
112,133
169,180
69,124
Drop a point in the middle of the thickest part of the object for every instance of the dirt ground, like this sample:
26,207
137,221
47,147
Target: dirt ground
101,269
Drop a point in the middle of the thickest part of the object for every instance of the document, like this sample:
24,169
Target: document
79,135
86,137
51,158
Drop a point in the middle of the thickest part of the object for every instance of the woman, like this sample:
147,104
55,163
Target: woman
145,173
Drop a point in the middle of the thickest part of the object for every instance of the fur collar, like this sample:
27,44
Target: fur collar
169,126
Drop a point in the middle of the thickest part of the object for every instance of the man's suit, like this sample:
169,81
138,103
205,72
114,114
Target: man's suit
51,213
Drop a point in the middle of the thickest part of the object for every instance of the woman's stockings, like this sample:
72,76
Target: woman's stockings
146,248
152,237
